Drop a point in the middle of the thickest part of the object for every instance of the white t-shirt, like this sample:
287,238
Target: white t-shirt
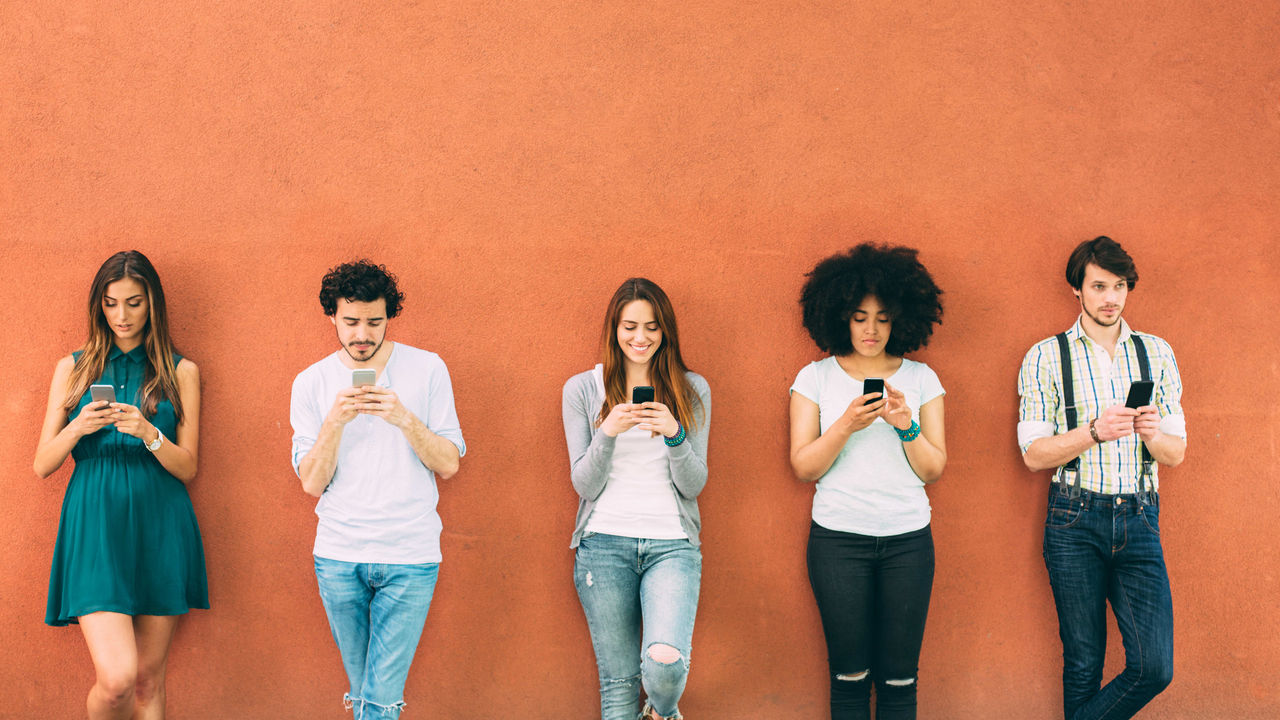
870,489
380,506
638,500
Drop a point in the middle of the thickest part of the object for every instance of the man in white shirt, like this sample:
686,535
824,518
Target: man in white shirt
372,453
1102,531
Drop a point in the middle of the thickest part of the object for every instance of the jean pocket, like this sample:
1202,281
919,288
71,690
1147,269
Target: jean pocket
1151,518
1062,513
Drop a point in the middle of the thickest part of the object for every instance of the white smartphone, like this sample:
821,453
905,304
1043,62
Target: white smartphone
100,393
364,377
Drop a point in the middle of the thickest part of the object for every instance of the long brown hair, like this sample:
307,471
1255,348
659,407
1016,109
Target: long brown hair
160,381
667,370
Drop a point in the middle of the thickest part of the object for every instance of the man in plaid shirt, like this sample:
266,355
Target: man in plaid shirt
1102,532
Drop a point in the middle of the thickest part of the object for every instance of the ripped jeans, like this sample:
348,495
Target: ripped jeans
376,614
640,597
873,596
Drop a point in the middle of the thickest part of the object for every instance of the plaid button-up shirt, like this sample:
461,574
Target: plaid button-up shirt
1100,381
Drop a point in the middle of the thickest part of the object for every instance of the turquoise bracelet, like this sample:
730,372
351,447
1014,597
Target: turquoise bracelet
675,439
910,433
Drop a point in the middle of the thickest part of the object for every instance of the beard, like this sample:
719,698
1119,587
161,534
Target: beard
1102,322
355,352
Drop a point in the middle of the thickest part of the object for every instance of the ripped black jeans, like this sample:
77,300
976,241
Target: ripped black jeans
873,595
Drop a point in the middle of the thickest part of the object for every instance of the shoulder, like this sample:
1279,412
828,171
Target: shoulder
66,363
1046,348
1155,345
584,382
698,383
918,371
314,372
186,370
818,367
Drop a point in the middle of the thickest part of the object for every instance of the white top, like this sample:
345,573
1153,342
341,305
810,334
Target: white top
870,489
380,506
639,499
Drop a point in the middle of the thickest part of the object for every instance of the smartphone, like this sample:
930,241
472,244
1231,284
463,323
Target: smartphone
1140,393
642,394
364,377
101,393
873,385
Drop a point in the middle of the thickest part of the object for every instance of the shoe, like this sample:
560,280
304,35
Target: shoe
648,713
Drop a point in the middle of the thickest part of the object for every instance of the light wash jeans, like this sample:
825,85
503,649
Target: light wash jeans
376,613
638,593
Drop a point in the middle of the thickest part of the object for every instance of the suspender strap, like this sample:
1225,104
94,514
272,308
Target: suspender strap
1144,368
1068,403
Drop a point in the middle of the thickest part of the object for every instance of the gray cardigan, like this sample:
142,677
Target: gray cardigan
591,452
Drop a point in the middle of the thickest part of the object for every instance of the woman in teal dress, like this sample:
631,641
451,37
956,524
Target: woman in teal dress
128,559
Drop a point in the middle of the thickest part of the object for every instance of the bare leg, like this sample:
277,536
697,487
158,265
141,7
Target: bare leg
110,638
153,633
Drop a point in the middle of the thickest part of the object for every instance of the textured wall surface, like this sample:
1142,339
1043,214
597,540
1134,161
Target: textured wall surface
513,162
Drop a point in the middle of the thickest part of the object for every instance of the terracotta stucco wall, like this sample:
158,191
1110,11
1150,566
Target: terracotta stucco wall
513,162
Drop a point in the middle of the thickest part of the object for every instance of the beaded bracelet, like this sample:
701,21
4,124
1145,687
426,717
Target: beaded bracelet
677,438
910,433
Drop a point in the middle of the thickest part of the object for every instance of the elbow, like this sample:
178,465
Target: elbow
1033,464
447,471
41,471
803,474
186,476
312,489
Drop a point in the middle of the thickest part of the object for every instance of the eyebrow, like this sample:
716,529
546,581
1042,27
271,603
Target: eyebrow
131,297
348,318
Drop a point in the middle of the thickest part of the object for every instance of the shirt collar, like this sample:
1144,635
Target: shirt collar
1077,331
137,355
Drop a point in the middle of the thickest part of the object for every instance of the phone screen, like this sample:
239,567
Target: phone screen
363,377
873,385
642,394
1139,393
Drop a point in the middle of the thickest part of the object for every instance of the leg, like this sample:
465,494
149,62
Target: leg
605,572
115,664
346,595
840,572
904,583
154,634
669,583
1140,597
1076,552
401,598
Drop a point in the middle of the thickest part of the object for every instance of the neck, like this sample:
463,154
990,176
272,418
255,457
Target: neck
861,366
127,345
637,375
1104,335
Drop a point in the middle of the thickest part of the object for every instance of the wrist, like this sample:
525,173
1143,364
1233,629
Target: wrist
1093,431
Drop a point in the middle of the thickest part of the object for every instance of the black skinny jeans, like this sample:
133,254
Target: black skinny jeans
873,595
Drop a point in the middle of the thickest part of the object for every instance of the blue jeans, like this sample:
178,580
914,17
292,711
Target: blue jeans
1101,548
638,593
376,613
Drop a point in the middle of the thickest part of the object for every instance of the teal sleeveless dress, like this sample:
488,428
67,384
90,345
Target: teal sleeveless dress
128,541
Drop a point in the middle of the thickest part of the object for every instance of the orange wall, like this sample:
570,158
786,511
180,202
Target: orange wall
514,161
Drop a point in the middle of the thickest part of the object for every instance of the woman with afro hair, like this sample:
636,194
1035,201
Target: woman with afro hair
871,453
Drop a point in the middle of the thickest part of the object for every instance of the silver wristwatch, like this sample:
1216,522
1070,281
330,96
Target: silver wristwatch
154,445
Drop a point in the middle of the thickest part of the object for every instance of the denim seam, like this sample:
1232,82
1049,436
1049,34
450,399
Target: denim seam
1137,639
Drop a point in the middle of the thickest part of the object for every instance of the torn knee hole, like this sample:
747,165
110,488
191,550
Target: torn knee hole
852,677
664,654
900,683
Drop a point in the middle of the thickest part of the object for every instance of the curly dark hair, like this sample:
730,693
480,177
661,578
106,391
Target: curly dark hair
893,274
360,281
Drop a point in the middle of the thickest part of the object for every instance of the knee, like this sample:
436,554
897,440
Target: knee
148,686
854,686
664,654
118,686
1156,677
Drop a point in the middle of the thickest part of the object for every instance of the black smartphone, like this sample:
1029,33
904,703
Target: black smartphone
1140,393
873,385
642,394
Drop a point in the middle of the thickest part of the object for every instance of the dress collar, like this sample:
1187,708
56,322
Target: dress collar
137,355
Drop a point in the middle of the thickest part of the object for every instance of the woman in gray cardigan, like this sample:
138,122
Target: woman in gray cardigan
636,426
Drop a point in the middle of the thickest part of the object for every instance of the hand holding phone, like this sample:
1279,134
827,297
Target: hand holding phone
641,394
102,393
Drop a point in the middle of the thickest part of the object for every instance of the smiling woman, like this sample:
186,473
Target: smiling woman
128,559
638,466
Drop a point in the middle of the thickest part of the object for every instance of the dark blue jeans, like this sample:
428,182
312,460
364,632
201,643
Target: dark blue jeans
1101,548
